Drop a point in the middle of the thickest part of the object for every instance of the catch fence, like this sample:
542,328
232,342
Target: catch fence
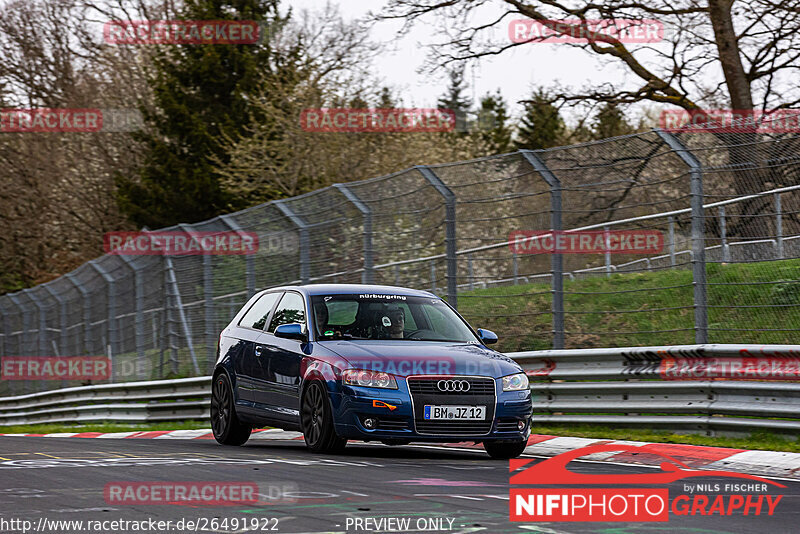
725,203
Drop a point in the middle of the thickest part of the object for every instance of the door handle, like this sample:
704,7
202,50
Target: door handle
258,350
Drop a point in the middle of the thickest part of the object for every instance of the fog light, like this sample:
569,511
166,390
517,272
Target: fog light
521,425
370,423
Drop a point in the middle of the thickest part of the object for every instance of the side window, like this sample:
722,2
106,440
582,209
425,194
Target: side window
410,324
342,313
290,310
440,323
256,317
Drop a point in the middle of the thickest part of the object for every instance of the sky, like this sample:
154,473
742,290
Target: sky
514,73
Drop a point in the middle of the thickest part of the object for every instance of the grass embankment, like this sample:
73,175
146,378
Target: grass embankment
748,303
53,428
756,441
650,309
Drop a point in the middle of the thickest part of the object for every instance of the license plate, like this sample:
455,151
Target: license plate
477,413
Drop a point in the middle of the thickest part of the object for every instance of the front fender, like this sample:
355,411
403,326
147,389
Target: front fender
314,369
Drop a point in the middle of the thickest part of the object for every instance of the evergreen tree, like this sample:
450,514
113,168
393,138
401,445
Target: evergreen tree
203,94
358,102
610,121
385,98
492,123
541,125
455,100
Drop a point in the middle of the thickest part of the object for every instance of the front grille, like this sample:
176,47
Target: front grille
455,428
424,391
392,424
429,386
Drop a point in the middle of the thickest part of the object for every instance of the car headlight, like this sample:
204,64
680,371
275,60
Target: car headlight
369,379
517,382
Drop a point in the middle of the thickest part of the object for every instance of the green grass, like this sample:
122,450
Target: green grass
756,441
52,428
661,302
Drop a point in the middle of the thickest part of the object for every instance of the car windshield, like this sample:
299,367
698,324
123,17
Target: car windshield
376,316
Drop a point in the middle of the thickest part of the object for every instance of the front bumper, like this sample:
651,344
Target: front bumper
397,420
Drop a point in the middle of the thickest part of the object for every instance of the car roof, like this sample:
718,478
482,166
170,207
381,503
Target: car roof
356,289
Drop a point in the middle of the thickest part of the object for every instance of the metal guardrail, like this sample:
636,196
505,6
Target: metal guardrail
699,388
131,402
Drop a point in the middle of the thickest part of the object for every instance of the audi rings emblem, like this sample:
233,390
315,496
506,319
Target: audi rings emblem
453,385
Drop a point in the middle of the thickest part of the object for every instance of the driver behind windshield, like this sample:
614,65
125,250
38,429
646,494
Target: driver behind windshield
360,317
397,322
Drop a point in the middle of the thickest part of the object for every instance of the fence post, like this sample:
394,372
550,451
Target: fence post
671,221
210,310
167,342
209,326
113,344
139,306
302,227
41,345
723,233
515,267
87,312
4,329
450,231
5,334
368,276
779,225
557,260
24,327
62,325
25,324
5,343
698,234
62,312
471,272
173,282
249,259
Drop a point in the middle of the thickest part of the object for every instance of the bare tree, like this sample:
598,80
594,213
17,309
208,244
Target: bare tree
57,195
278,158
733,54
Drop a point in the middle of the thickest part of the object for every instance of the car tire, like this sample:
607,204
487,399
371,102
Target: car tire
316,421
227,428
505,450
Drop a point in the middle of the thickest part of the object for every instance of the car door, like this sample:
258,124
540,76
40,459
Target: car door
250,368
282,389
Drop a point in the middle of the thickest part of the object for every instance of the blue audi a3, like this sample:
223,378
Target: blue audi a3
366,362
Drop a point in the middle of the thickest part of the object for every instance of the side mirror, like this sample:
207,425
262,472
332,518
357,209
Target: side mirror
292,331
487,336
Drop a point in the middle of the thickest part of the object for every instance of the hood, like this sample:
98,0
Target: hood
404,358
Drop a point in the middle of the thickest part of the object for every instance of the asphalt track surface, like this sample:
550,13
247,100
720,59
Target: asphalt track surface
63,479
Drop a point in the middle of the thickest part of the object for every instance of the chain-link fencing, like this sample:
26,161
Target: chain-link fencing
727,269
